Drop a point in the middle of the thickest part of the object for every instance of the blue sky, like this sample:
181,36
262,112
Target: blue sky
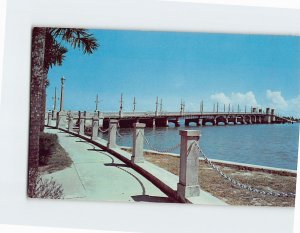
252,70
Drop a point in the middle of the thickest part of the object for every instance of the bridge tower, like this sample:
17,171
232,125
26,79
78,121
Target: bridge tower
181,108
268,116
156,108
121,106
54,111
201,107
96,102
62,94
61,119
273,118
134,104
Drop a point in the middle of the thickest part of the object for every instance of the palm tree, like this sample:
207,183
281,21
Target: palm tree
55,52
37,76
47,52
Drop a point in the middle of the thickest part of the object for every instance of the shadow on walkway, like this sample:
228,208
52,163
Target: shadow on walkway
116,165
147,198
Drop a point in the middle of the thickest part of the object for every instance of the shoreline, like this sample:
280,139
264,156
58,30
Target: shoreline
245,166
264,178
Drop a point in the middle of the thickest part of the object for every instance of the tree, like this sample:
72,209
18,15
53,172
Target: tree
36,84
55,52
46,52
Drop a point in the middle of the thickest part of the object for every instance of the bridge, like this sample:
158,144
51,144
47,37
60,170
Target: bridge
159,118
164,119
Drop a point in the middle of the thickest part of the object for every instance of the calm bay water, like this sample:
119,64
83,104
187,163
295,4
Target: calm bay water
267,145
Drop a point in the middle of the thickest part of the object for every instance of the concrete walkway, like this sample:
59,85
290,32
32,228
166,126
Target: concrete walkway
111,176
97,175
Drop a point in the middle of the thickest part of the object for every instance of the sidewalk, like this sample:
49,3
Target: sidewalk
111,176
96,175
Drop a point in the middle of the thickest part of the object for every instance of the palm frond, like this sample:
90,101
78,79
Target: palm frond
77,38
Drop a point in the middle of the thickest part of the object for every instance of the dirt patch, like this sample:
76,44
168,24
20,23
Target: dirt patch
213,183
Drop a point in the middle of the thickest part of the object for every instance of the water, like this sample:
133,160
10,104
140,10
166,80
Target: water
267,145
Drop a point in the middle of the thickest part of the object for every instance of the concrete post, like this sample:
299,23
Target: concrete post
112,130
101,119
49,120
70,123
54,114
81,123
188,185
95,127
138,143
61,119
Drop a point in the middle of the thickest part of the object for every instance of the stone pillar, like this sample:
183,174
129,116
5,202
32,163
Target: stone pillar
95,127
112,130
101,119
70,122
49,120
61,119
188,185
138,143
81,123
54,114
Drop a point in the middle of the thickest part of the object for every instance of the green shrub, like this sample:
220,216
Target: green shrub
47,146
48,189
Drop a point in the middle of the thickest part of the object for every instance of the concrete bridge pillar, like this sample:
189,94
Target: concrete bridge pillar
95,127
188,185
112,130
61,119
258,120
199,122
49,119
138,143
226,121
215,122
81,123
235,121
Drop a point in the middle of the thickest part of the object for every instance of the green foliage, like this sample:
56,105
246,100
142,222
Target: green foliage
47,189
47,147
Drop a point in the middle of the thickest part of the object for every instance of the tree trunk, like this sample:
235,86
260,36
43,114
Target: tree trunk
36,86
43,101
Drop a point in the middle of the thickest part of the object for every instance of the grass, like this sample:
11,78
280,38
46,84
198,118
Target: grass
52,156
